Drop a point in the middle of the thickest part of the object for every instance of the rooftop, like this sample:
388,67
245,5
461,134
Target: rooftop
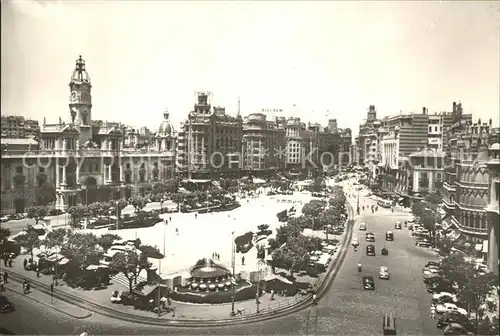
27,141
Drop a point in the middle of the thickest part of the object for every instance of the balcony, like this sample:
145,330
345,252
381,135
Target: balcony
472,185
448,187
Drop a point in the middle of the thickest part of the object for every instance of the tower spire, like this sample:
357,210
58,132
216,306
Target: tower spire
239,106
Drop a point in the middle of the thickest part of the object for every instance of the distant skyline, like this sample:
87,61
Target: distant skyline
313,60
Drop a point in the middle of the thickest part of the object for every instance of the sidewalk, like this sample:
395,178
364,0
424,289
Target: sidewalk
16,288
181,310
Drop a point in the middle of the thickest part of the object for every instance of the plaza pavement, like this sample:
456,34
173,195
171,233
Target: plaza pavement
250,207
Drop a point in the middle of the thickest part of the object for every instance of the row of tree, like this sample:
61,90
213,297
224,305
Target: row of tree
473,287
84,249
290,250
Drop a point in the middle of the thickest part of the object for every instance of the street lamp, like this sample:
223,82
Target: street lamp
260,262
233,280
159,271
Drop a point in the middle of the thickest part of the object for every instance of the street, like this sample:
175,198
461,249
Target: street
346,309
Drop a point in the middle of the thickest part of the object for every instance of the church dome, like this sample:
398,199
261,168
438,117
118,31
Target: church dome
166,127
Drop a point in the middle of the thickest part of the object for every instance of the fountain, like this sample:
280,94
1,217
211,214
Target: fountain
212,283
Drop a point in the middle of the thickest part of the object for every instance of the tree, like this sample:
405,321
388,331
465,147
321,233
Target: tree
119,205
158,188
171,185
130,263
151,251
77,213
38,213
293,256
106,240
178,198
95,209
477,290
317,185
444,245
138,203
82,249
4,237
55,238
45,193
29,241
312,208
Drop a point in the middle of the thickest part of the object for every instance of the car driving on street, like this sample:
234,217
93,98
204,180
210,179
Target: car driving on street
383,273
368,283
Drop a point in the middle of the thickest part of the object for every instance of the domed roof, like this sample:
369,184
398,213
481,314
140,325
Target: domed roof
166,127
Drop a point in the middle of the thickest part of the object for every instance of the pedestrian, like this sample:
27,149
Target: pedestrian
37,272
10,262
433,312
243,260
25,263
5,259
5,276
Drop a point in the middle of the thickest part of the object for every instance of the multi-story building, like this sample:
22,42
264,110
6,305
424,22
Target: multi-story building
400,136
83,161
466,185
212,141
366,138
263,140
297,144
19,127
438,124
345,158
492,210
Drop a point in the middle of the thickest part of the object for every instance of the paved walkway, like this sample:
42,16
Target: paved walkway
181,310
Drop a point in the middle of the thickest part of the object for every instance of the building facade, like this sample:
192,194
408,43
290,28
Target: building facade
492,210
83,161
467,180
19,127
436,135
262,142
211,142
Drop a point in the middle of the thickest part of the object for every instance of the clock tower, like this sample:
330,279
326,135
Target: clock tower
80,100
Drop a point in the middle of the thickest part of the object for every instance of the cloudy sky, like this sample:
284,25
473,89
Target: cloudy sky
329,59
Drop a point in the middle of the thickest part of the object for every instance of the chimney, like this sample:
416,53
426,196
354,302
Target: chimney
454,106
424,110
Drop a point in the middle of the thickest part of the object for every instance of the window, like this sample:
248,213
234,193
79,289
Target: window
19,170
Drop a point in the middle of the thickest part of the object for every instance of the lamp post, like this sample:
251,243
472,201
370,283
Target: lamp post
159,271
257,296
233,280
357,207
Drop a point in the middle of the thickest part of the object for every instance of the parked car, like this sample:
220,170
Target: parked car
443,297
433,263
383,273
423,243
362,226
368,283
4,219
447,307
456,329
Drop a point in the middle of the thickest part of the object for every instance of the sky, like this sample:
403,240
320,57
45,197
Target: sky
314,60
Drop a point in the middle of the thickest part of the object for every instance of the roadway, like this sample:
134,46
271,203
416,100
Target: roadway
345,309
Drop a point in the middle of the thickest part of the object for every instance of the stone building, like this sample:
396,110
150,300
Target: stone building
262,142
492,210
210,142
467,180
19,127
84,161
